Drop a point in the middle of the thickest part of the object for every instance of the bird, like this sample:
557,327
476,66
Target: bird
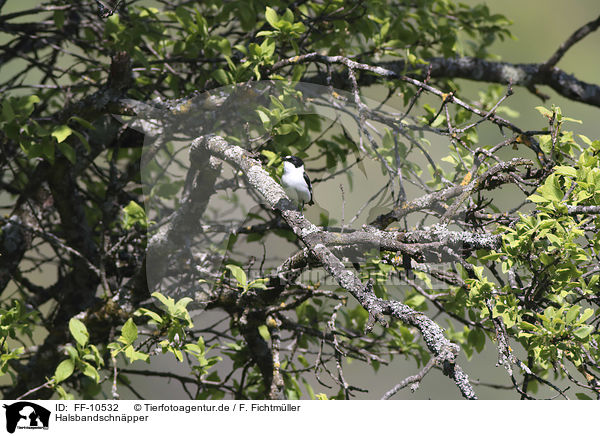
295,181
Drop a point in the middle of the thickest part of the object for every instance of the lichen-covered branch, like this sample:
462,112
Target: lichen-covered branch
444,351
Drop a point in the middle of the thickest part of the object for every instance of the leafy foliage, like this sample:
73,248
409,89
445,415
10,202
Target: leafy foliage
72,174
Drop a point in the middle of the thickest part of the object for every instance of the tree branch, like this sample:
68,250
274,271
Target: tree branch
470,68
577,36
444,351
412,380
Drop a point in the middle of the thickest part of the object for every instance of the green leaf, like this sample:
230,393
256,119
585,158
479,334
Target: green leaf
91,372
27,104
134,355
221,76
269,155
263,330
167,302
85,123
585,139
182,304
181,311
258,284
537,198
573,120
565,171
129,332
587,313
79,331
477,339
177,353
491,256
64,370
146,312
527,325
133,214
83,140
61,133
572,314
264,117
288,16
584,331
68,152
72,352
268,48
546,259
272,17
63,395
238,274
545,112
551,190
415,301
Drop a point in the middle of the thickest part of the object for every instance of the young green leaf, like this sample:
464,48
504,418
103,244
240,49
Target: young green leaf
263,330
129,332
64,370
168,303
239,275
272,17
133,214
79,331
146,312
60,133
584,331
91,372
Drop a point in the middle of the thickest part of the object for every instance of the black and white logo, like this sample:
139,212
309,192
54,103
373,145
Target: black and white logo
26,415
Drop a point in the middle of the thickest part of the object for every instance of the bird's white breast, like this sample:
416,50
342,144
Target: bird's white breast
294,184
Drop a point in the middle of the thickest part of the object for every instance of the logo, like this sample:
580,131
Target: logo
26,415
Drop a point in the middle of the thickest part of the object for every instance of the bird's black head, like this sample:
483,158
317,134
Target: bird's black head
296,161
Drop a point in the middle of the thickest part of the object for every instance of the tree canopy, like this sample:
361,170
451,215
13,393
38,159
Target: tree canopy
141,155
